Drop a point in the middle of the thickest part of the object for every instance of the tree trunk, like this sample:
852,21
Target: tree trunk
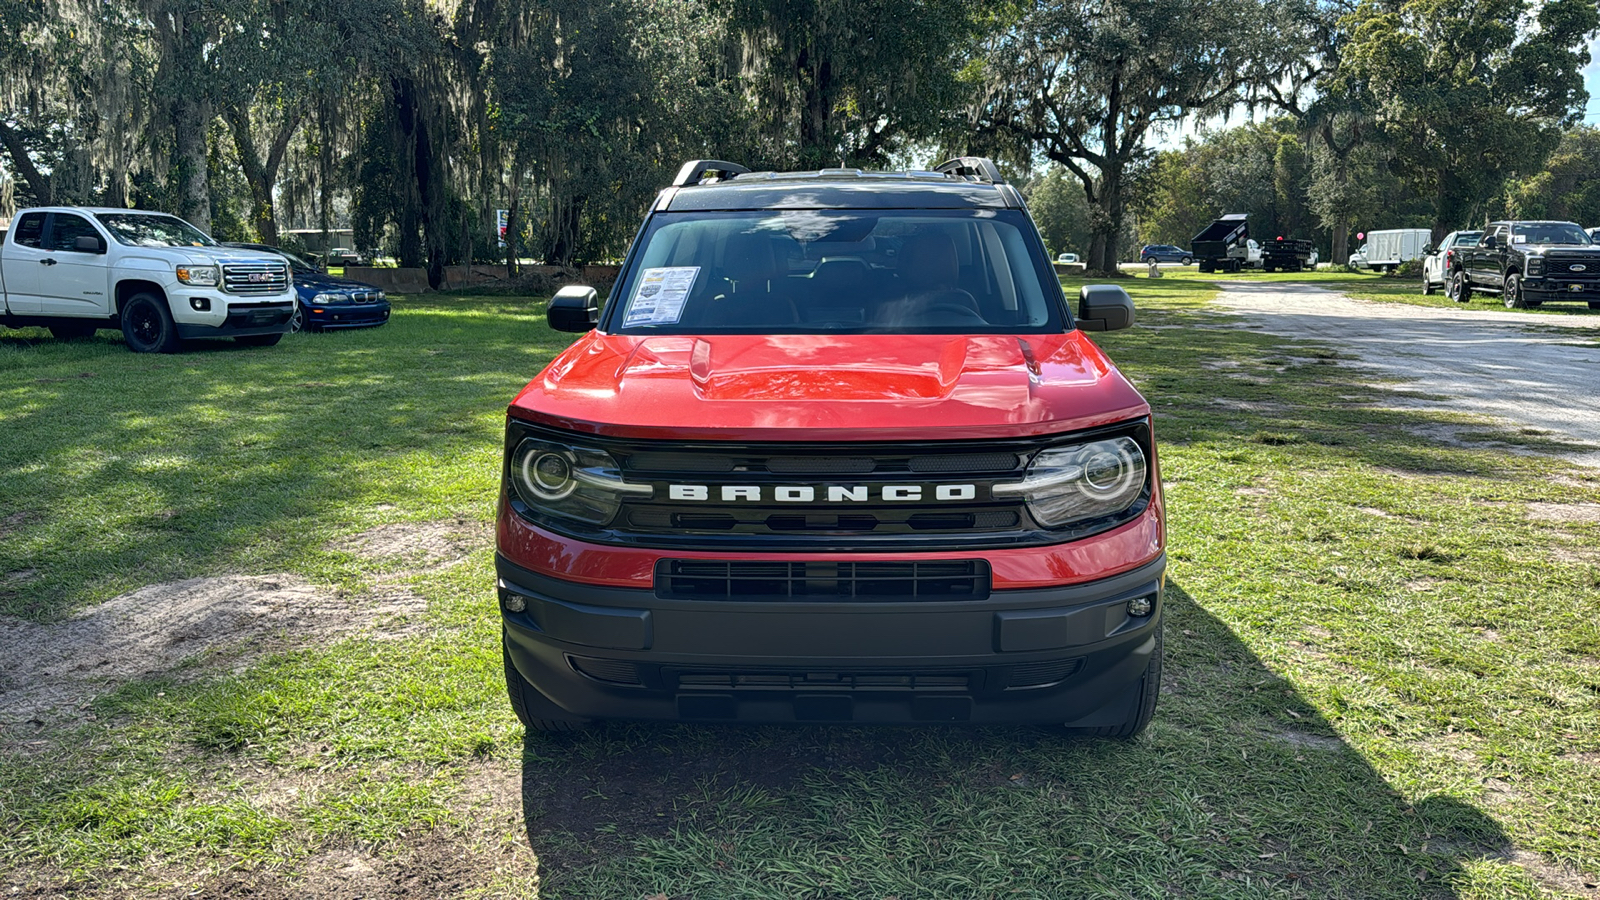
1106,217
191,118
38,183
262,177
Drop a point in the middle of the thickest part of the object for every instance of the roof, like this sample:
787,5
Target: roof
964,183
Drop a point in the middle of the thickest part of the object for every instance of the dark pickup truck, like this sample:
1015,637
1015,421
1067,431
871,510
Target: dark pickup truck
1528,264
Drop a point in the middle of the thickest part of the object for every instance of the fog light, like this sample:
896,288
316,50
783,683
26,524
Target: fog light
200,304
515,603
1141,606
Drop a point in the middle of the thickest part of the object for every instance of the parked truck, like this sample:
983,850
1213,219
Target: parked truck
1287,254
1528,264
1384,251
1226,246
160,280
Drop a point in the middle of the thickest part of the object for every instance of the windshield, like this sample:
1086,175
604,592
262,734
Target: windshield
1468,239
153,230
1548,233
839,272
299,265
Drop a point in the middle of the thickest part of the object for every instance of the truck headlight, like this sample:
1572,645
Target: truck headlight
1535,265
1081,481
200,276
577,483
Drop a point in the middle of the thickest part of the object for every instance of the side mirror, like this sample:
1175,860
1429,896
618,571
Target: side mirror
1428,249
1104,307
574,308
1487,242
89,243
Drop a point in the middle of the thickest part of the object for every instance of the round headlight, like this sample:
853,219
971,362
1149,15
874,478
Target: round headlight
1108,469
548,475
1080,482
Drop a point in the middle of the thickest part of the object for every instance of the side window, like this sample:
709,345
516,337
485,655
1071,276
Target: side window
30,230
66,230
1501,235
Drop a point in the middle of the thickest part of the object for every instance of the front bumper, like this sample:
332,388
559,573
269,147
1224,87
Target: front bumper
1556,289
345,315
229,316
1067,654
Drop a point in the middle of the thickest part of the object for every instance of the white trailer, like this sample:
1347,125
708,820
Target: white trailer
1388,249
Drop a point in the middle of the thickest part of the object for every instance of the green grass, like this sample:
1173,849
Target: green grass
1383,669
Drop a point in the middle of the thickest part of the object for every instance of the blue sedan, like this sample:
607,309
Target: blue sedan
328,302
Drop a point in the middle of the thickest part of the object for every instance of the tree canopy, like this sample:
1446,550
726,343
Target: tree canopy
411,122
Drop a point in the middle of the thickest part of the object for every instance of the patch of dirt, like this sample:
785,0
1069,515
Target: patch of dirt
1422,585
1575,554
1588,513
1587,757
1451,745
50,673
15,522
1259,406
436,863
1557,877
427,545
1252,491
1497,792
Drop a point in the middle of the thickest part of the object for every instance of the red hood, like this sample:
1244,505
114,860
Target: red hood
829,387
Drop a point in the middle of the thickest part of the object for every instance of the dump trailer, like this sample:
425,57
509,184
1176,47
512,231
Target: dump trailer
1285,254
1225,245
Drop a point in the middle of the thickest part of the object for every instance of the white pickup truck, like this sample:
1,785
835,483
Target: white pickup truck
160,280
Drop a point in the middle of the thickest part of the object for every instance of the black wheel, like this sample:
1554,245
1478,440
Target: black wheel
72,331
1511,292
297,319
1427,286
259,340
1149,692
1458,288
147,325
1185,261
534,710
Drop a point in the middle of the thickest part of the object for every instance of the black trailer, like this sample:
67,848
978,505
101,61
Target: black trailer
1289,255
1222,246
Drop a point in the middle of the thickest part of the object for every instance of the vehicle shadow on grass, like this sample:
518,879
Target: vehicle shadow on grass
1239,788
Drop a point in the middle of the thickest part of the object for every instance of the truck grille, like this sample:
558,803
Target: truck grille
255,278
876,582
835,496
1588,267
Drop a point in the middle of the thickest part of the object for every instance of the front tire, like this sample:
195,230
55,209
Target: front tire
1459,289
1185,261
1427,286
1511,293
534,710
147,325
297,319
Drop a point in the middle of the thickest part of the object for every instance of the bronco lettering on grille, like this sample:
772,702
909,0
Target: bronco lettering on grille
834,493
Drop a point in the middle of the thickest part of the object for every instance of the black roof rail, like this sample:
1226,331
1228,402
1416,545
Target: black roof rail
693,170
972,168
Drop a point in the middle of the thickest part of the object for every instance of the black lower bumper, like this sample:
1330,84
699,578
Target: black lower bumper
1062,655
1559,290
244,322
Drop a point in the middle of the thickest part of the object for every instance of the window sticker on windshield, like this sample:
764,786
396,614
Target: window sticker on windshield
659,298
1519,239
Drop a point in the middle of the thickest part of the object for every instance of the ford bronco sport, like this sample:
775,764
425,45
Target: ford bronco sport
835,450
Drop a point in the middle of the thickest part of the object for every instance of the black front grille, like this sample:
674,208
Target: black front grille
1587,267
877,582
255,278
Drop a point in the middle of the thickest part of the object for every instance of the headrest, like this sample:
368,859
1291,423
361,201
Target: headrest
928,261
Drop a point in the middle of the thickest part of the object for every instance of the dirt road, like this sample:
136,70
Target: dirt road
1521,368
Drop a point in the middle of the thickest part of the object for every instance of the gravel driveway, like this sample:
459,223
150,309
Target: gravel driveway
1490,361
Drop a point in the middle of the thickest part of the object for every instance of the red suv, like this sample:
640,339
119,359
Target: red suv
835,450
